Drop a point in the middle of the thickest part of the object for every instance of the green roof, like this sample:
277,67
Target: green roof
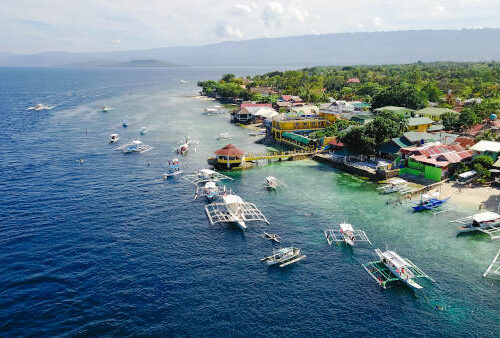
297,137
435,127
393,109
417,121
361,105
434,111
394,145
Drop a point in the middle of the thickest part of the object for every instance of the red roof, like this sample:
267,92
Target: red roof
286,97
353,80
443,160
230,150
432,150
465,142
245,105
336,144
474,130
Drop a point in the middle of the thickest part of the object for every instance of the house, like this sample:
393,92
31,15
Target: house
353,80
407,112
337,107
362,119
290,98
245,114
433,161
296,124
465,142
434,113
392,148
283,105
361,106
306,109
259,114
420,124
489,148
263,90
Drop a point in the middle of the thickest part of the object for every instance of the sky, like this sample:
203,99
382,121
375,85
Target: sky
30,26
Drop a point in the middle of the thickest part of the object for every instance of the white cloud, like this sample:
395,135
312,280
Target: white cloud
377,21
242,9
226,30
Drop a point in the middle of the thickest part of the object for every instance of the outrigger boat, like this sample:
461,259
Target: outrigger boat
487,222
224,136
124,123
345,234
39,107
395,185
210,190
272,237
105,109
184,147
284,257
205,175
233,209
174,169
494,267
113,138
134,147
393,268
212,111
271,183
428,203
143,131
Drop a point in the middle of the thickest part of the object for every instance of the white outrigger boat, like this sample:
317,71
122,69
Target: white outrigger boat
184,147
395,185
174,169
393,268
487,222
345,234
205,175
233,209
284,256
105,109
271,183
113,138
135,147
494,267
143,131
212,111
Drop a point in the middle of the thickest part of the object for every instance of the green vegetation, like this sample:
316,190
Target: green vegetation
481,164
335,129
367,139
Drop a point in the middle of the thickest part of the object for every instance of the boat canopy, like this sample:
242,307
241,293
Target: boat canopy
467,174
346,227
395,259
485,216
210,185
233,199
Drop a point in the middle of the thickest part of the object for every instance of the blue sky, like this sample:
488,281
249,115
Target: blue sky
30,26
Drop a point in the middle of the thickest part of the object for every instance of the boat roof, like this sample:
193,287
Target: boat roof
232,199
485,216
113,135
206,172
395,259
346,227
136,142
210,184
397,181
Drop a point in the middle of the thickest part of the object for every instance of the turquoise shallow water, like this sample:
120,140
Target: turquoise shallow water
108,247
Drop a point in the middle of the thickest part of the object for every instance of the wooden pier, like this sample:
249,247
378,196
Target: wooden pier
416,192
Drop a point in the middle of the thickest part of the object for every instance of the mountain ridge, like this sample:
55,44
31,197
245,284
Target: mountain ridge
393,47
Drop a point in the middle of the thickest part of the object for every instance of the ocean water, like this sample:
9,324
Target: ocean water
108,248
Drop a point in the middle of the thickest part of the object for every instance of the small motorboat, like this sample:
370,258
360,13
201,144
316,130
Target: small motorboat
124,123
284,257
39,107
143,131
174,169
224,136
105,109
271,183
113,138
272,237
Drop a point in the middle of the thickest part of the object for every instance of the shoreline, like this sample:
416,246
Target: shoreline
479,198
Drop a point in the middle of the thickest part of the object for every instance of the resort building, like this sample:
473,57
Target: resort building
419,124
392,148
434,113
285,126
248,112
306,109
489,148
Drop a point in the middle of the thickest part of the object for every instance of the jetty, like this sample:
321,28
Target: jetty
356,166
232,158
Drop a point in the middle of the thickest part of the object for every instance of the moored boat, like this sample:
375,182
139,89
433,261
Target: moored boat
271,183
173,168
283,257
134,147
487,222
113,138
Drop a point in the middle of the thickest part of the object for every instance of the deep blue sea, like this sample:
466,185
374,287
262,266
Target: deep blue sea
108,248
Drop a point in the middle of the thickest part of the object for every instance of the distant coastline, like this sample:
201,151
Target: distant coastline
153,63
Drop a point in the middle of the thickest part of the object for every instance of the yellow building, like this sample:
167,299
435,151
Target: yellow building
420,124
296,124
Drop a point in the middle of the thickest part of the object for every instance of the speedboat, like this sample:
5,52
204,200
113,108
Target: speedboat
124,123
478,222
144,131
174,168
39,107
271,182
113,138
283,257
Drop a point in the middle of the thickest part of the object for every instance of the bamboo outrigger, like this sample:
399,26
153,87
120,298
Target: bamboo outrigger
205,175
393,268
494,267
487,222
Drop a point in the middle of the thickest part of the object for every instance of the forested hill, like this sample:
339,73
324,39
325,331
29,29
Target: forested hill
329,49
